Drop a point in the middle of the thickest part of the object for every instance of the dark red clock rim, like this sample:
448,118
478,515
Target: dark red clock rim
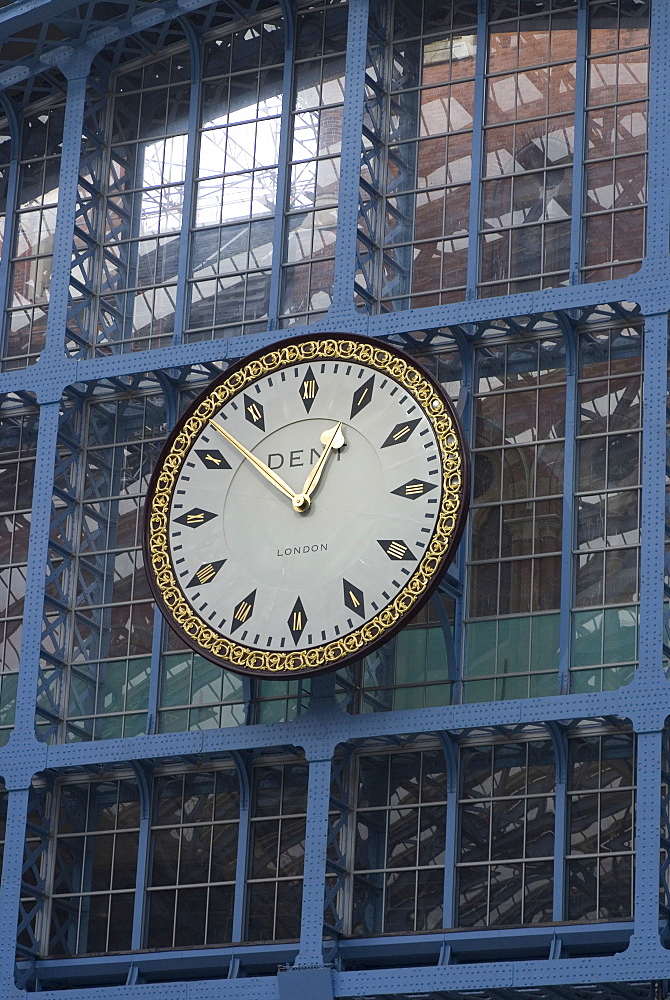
445,561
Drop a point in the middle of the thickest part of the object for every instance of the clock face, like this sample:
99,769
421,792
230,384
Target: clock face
305,506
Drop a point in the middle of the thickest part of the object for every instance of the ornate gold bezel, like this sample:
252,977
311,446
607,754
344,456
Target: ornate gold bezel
449,520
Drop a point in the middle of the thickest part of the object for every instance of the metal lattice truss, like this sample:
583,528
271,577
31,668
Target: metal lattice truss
579,320
337,865
370,255
34,879
34,45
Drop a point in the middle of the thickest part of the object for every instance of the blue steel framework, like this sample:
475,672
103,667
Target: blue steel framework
53,45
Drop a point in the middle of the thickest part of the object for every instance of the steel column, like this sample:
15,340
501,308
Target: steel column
314,873
653,502
350,158
76,68
580,149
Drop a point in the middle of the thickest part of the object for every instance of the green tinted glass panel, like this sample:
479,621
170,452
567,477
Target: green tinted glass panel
620,637
513,645
587,637
481,655
176,680
207,682
544,642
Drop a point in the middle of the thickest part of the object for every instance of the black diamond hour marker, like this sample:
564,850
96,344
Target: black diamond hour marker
353,598
253,411
401,432
308,389
195,517
297,620
414,489
362,396
396,549
206,573
212,459
243,611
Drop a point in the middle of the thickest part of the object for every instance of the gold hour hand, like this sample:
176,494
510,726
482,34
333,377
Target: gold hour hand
333,439
264,469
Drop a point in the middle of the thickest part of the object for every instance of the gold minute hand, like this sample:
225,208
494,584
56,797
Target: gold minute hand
332,439
264,469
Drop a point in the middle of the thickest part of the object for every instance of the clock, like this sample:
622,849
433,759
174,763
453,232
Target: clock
306,505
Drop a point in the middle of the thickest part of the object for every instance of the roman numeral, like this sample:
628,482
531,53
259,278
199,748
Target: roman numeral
401,432
362,397
396,549
206,573
354,598
195,517
308,389
253,411
414,489
243,611
212,459
297,621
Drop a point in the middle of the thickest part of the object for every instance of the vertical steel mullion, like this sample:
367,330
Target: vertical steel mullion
449,912
11,206
86,895
350,842
447,633
314,872
283,170
143,856
194,44
569,485
350,157
76,72
181,844
477,151
155,673
559,741
658,168
243,845
578,165
38,550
